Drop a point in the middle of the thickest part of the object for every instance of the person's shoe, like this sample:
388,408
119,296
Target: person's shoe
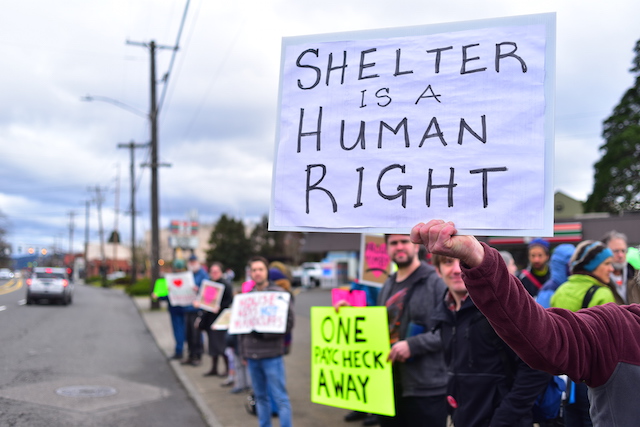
371,420
176,357
227,383
191,362
355,416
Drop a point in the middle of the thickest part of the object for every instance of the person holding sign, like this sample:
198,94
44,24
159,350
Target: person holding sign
488,383
194,335
411,296
598,345
216,339
263,353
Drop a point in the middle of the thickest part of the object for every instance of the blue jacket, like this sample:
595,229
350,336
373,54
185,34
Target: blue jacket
559,266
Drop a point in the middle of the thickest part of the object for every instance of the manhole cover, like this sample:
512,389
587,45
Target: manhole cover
86,391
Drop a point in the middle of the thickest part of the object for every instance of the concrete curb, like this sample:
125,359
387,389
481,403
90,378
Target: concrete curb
207,415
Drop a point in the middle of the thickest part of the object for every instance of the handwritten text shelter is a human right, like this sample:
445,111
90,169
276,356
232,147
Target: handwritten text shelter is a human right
385,132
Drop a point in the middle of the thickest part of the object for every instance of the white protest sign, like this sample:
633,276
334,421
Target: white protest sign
182,290
379,130
260,312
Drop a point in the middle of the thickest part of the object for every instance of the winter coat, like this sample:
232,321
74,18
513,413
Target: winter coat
491,385
597,345
258,345
424,373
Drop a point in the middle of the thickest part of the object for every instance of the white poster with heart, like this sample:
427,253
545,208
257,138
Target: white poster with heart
182,288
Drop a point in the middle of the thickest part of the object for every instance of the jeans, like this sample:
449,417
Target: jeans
268,377
179,328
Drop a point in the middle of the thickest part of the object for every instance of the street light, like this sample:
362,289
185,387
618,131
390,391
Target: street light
89,98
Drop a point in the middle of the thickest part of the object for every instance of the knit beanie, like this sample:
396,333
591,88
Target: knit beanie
540,242
275,274
589,255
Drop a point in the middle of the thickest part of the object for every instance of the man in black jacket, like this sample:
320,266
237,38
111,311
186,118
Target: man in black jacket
489,385
263,353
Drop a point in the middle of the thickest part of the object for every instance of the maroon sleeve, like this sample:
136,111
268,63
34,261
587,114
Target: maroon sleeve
586,345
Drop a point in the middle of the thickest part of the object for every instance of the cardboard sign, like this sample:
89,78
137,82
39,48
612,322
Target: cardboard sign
375,263
379,130
259,311
222,321
182,288
355,298
210,295
349,367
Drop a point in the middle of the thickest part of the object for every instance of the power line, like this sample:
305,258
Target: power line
173,57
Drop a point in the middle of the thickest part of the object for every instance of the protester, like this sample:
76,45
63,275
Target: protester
489,385
176,313
511,264
411,295
560,269
537,272
263,353
195,343
597,345
216,339
623,272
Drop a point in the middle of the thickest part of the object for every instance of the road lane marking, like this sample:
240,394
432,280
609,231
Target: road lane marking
11,286
3,307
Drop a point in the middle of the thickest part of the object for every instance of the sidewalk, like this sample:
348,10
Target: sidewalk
223,409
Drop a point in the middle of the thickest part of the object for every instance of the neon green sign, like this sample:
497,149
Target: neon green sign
349,367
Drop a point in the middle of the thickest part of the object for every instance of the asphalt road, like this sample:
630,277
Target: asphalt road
92,363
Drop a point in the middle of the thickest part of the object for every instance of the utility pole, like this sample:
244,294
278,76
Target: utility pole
103,267
71,225
86,239
116,234
132,172
153,118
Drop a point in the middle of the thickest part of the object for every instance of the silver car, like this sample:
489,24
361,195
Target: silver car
6,274
49,283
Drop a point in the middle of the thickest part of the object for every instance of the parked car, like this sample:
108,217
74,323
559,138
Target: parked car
49,283
311,274
6,274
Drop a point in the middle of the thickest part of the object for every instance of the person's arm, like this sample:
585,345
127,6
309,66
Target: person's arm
585,346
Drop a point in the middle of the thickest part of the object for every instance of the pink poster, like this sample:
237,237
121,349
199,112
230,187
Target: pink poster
355,298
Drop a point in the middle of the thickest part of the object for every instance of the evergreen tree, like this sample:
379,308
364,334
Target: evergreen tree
616,184
267,243
229,245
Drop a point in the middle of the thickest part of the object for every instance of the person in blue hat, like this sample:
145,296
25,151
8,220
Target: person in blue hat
537,272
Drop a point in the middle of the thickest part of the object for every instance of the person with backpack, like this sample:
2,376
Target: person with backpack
537,272
489,385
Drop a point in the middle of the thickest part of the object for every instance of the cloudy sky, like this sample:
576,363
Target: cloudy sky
217,122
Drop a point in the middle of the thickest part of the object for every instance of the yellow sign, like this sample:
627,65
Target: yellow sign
349,367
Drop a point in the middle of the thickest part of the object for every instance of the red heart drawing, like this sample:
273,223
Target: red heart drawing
177,282
376,258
